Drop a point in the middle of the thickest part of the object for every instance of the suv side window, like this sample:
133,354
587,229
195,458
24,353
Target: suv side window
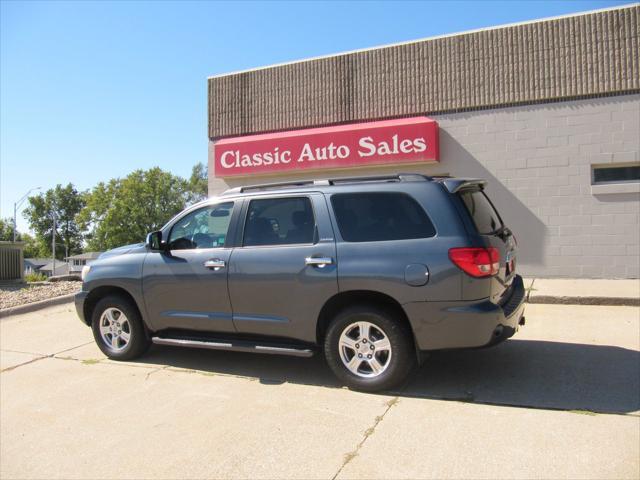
203,228
380,216
482,212
279,221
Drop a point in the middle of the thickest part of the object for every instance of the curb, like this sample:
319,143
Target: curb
31,307
603,301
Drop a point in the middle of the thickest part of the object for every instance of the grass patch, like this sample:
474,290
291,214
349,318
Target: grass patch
584,412
35,277
349,456
392,402
90,361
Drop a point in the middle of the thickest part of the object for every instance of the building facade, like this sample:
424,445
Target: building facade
547,111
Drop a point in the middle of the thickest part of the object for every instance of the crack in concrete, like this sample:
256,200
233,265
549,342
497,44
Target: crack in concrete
20,351
529,290
217,374
73,348
39,356
46,354
367,433
154,371
13,367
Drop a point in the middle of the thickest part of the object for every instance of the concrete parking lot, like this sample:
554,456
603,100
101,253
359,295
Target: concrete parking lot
559,400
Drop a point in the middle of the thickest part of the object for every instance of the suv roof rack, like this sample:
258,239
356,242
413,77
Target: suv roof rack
400,177
268,186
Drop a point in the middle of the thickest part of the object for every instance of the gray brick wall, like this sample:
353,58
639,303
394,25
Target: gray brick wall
538,161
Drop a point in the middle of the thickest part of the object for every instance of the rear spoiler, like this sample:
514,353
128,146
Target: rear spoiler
454,185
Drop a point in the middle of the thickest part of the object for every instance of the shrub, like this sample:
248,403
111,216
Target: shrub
35,277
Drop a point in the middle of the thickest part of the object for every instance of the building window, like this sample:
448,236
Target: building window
615,174
612,178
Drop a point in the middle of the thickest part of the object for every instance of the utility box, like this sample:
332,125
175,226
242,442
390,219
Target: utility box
11,262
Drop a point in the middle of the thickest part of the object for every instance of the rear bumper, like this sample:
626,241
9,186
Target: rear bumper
443,325
79,300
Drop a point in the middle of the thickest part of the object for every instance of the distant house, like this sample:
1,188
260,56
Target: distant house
33,265
62,268
73,264
76,262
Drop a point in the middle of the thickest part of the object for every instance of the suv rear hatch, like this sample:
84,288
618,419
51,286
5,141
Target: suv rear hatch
488,230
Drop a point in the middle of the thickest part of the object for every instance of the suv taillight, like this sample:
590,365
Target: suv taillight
477,262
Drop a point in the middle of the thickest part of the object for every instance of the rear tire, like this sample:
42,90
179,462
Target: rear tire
118,329
368,349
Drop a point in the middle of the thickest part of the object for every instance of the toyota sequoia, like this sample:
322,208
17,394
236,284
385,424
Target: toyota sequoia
370,271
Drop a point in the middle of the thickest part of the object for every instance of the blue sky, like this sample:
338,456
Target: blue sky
93,90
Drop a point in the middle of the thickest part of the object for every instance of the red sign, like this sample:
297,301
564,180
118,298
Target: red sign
407,140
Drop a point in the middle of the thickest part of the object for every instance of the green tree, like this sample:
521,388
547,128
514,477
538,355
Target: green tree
198,183
123,211
6,229
32,247
65,203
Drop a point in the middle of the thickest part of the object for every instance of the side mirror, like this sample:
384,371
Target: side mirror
154,241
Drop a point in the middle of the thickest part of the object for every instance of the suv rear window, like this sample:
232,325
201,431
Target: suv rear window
376,217
482,211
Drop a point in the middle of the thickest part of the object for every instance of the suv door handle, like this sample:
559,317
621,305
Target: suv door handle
215,263
319,262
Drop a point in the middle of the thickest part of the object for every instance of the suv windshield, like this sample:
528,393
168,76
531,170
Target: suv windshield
482,211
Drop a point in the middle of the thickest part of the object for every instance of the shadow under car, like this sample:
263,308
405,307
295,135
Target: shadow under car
523,373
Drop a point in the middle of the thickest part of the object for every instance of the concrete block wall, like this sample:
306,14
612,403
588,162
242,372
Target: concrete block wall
537,159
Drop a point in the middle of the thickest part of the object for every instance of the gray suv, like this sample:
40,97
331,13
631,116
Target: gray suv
373,271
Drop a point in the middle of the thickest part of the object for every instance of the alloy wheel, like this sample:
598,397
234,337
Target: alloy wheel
115,329
365,349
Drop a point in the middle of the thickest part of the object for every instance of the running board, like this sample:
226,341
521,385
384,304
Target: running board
236,346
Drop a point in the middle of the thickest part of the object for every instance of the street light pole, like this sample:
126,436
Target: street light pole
15,209
53,244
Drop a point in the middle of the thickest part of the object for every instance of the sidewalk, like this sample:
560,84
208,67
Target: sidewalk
583,291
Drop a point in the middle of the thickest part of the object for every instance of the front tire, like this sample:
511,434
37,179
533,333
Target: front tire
368,349
118,329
